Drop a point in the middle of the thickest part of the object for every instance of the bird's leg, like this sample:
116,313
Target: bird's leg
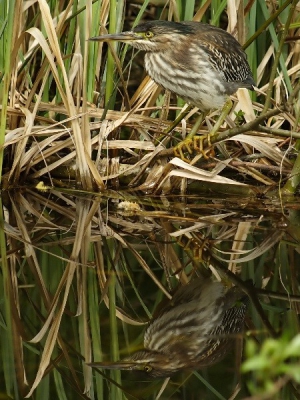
198,140
225,111
178,119
194,141
173,125
185,145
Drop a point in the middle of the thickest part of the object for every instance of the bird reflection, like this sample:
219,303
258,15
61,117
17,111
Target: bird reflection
195,329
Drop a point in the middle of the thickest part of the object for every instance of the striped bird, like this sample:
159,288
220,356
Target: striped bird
201,63
196,328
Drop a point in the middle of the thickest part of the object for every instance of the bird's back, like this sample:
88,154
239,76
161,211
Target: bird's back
225,53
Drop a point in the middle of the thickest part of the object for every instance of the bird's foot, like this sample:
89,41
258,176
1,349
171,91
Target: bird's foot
200,144
183,147
187,145
194,244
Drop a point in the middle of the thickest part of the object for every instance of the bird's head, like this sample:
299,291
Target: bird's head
150,363
151,36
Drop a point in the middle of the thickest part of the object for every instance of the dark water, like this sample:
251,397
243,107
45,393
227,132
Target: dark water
85,271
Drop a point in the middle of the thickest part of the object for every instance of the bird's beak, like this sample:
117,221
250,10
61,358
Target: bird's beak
122,365
121,37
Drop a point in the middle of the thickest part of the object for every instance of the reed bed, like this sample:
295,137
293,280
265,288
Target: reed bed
100,221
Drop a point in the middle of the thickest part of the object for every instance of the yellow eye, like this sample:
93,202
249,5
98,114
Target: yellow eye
148,34
147,368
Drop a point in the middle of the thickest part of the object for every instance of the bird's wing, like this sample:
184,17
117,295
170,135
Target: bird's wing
232,64
224,52
181,345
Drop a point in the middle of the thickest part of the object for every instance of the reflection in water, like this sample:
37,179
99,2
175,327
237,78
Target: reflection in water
195,329
77,266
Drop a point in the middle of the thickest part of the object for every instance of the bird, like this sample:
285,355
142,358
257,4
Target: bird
194,329
201,63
